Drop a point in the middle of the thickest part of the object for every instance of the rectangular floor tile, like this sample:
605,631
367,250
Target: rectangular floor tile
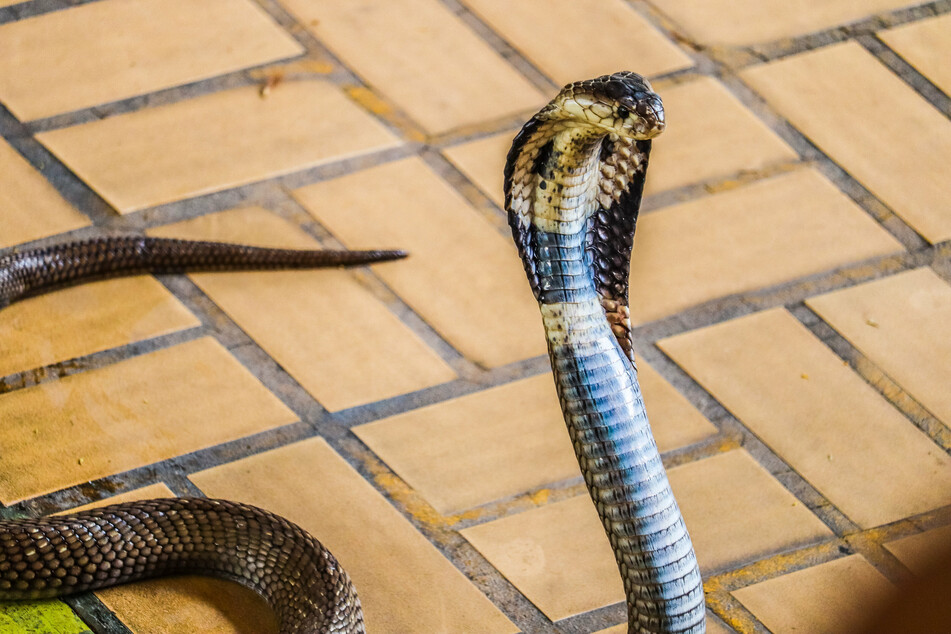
337,340
831,598
405,584
29,206
825,421
901,323
507,440
478,448
924,45
106,51
709,135
559,557
214,142
847,102
920,552
463,275
420,55
483,162
571,40
737,512
772,231
90,318
731,23
128,415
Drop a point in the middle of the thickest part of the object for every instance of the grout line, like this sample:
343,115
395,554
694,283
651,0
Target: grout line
875,377
918,82
96,614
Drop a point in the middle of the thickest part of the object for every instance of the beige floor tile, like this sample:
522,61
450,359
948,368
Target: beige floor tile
7,3
463,276
420,55
506,440
675,422
306,319
559,556
732,23
127,415
478,448
709,135
713,627
29,206
483,162
901,324
920,552
183,604
90,318
405,584
737,512
766,233
214,142
572,40
830,598
824,420
924,44
106,51
846,102
148,492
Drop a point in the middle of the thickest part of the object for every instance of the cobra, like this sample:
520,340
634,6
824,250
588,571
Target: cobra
573,182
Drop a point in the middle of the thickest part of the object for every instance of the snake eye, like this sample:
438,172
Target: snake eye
623,112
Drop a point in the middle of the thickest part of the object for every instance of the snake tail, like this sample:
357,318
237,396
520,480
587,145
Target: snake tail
573,182
35,271
55,556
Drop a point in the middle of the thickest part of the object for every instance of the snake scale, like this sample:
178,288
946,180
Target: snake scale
573,184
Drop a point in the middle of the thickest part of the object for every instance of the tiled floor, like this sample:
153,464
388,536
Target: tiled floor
791,290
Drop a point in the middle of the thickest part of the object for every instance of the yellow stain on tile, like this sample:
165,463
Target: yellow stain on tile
337,340
900,323
30,208
765,233
422,57
214,142
105,51
709,135
739,22
830,598
559,557
127,415
924,44
571,40
870,122
480,447
45,617
834,429
77,321
920,552
394,568
463,276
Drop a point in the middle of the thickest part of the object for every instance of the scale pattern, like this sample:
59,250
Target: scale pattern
95,549
38,270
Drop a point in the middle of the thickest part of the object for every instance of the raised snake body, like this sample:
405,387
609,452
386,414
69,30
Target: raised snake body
573,183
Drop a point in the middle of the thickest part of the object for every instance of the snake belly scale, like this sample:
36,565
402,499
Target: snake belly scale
573,183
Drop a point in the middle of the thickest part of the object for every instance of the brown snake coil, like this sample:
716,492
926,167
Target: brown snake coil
573,182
